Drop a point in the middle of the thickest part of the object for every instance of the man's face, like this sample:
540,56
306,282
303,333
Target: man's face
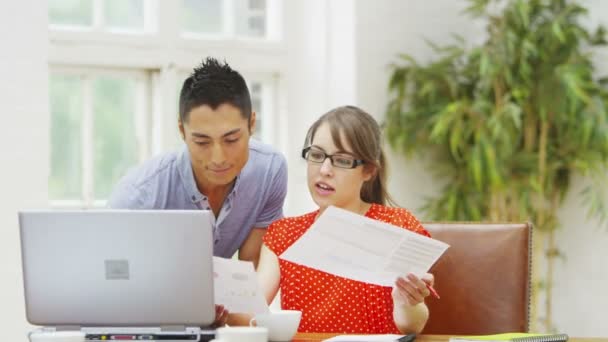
218,141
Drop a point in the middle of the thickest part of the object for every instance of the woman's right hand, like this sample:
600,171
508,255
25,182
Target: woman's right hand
411,290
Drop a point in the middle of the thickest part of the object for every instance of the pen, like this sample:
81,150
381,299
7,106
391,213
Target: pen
433,291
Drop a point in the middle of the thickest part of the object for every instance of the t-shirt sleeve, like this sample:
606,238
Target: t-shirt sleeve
403,218
274,238
273,208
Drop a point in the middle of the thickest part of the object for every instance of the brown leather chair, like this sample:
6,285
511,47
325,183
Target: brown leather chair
483,278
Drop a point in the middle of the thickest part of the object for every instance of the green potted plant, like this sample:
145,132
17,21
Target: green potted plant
507,123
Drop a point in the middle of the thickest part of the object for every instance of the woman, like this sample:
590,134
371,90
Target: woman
346,169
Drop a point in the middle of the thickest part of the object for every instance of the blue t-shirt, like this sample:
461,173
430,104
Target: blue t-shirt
167,182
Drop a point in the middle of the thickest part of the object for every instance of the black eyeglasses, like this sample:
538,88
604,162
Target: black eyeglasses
341,161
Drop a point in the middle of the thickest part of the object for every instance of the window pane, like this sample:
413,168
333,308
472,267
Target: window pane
124,14
202,16
257,4
250,18
71,12
65,178
115,143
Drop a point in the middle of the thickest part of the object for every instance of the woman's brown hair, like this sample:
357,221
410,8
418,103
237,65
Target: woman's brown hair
364,136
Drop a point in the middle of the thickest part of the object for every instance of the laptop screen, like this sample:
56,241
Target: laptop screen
118,267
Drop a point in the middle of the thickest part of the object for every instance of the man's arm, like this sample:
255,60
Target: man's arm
126,196
250,249
273,210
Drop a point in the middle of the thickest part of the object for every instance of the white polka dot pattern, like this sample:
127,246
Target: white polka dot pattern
330,303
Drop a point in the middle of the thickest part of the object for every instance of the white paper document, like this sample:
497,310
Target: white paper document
365,338
236,286
359,248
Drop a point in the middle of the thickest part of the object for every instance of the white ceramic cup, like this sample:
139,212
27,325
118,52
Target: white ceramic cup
57,336
242,334
282,325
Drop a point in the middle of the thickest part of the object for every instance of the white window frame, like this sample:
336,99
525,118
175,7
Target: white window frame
162,51
273,30
269,129
99,21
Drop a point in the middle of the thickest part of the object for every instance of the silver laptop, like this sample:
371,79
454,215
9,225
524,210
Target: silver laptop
117,267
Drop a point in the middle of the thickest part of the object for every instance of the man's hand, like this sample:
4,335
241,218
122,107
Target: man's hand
221,316
411,290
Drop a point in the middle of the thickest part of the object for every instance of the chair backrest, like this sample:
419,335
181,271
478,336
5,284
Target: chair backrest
483,278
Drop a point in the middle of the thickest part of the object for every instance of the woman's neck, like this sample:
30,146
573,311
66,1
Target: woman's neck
358,208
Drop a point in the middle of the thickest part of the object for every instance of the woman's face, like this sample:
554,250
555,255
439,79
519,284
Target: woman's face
332,185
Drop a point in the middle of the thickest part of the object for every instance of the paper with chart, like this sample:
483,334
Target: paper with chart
359,248
236,286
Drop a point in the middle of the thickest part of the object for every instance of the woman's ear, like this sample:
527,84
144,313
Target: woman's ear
370,172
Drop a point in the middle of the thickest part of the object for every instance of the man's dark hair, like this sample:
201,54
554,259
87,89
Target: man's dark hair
213,84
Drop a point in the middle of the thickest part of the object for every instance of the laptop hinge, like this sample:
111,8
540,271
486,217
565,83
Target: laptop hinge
173,328
63,328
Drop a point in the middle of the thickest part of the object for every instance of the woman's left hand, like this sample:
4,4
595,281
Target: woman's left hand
411,290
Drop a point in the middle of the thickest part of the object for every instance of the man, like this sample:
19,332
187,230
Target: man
242,181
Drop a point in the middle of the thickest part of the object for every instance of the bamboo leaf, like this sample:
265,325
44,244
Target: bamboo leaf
523,9
451,204
557,31
455,139
477,7
490,158
599,36
476,167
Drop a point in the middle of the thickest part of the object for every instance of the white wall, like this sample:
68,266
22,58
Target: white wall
23,144
580,299
385,28
320,75
305,90
581,279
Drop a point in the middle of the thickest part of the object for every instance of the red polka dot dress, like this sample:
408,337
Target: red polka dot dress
329,303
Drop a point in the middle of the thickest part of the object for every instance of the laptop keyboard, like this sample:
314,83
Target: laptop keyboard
204,337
